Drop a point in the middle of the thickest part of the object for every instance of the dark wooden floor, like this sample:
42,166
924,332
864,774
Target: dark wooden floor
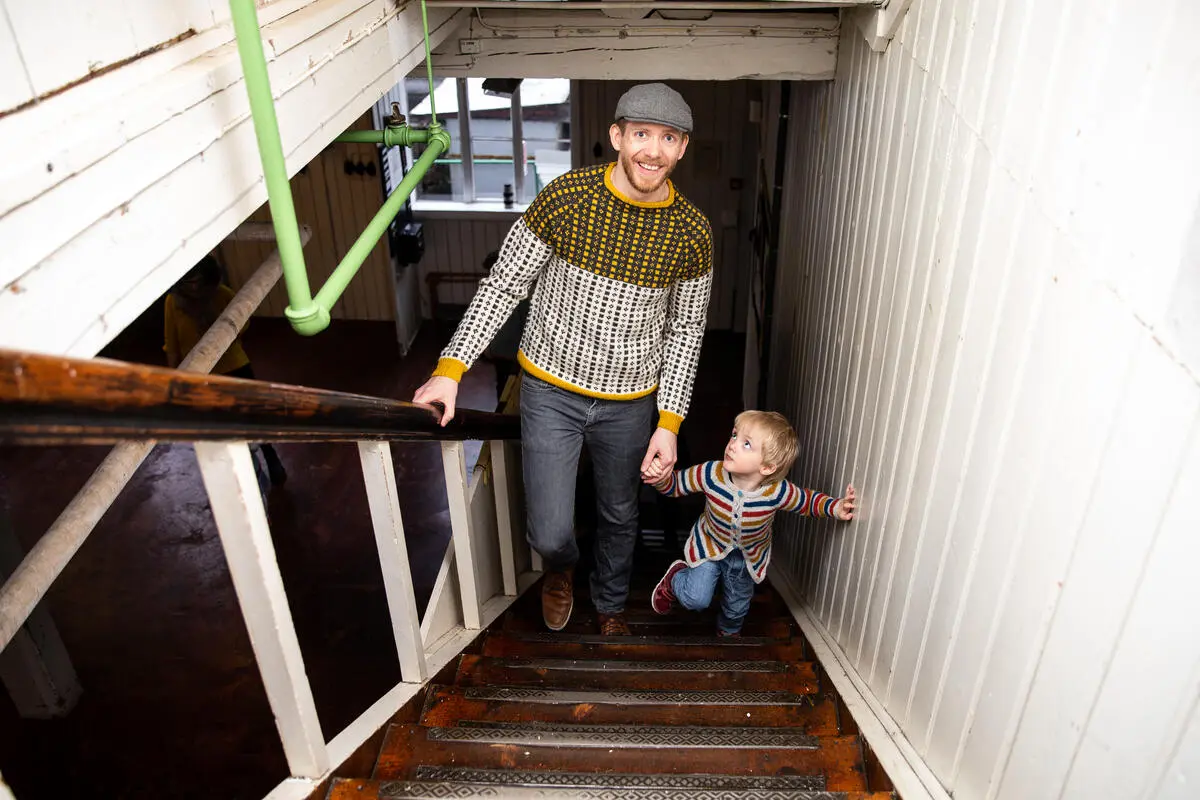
172,703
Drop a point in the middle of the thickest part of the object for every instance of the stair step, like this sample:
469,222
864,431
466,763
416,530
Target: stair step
406,747
559,734
646,623
351,789
642,648
808,713
799,678
612,780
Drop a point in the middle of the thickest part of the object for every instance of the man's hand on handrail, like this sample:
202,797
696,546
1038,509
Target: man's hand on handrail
441,390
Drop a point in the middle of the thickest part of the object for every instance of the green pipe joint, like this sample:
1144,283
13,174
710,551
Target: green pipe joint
394,136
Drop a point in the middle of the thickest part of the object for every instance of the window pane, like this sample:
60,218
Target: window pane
444,179
546,120
491,140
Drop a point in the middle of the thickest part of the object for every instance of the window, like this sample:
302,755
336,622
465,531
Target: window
509,137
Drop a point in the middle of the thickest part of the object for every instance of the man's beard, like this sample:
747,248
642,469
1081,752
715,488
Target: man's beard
639,182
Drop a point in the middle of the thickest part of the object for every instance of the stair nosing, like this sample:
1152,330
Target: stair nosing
563,696
625,736
621,665
616,780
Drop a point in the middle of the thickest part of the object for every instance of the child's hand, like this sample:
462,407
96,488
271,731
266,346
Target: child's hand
655,473
843,509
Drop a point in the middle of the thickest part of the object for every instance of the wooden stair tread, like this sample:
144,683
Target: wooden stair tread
639,648
376,789
751,675
645,622
353,789
809,713
838,758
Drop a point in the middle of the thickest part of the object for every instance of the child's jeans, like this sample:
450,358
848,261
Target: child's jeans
694,589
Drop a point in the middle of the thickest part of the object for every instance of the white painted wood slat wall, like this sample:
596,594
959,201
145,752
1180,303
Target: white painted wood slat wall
990,235
169,164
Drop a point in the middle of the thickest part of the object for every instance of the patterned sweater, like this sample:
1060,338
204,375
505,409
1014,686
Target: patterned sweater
736,518
621,296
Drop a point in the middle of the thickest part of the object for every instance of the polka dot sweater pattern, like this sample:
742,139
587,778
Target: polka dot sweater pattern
621,293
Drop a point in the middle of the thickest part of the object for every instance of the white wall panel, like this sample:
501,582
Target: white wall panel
170,164
987,296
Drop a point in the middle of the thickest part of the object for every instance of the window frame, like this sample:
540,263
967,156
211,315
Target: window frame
470,201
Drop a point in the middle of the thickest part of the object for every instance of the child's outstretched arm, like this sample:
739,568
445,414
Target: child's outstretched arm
677,484
812,503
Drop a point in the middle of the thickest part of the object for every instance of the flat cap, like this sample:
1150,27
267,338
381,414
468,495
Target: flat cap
655,102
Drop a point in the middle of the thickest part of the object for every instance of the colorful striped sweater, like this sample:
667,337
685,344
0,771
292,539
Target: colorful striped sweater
621,296
736,518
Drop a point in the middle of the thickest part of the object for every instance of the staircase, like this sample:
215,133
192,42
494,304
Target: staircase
670,711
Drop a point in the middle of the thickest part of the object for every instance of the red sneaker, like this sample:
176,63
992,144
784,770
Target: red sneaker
664,596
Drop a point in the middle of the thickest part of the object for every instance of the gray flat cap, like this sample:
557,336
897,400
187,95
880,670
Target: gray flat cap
655,102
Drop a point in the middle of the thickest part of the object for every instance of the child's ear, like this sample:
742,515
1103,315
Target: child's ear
766,469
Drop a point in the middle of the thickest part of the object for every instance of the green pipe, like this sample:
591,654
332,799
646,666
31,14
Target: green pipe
309,315
270,150
439,140
391,136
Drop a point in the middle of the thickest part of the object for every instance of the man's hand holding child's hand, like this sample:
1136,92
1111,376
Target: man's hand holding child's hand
843,509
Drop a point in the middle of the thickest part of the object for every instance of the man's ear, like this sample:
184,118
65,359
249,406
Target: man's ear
614,136
683,145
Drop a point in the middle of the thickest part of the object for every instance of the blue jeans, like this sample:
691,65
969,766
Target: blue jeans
554,425
694,589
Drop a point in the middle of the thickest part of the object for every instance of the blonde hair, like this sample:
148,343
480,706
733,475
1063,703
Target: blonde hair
779,446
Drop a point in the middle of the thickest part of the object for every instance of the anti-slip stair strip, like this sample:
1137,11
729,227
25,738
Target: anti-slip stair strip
406,790
636,696
599,780
658,641
655,736
591,665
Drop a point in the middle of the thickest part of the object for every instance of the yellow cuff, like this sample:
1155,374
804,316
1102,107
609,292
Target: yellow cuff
669,421
450,368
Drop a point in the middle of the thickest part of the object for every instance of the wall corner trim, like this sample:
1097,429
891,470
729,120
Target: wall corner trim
879,25
911,775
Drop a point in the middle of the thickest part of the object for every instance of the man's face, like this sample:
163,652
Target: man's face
647,152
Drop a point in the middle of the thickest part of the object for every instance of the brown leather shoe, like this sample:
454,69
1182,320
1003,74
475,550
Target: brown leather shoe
558,597
613,625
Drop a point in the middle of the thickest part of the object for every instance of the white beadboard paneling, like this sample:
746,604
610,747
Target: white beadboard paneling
15,85
1136,479
1127,746
981,264
133,234
66,40
1182,776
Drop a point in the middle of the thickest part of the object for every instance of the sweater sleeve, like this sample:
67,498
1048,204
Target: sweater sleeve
526,251
687,312
522,257
808,502
683,482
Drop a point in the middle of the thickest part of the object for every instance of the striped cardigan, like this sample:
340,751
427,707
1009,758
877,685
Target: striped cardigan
736,518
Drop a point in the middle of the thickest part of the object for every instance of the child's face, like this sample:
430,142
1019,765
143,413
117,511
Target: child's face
743,454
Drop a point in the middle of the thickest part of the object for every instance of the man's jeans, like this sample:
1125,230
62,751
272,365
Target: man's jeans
554,425
694,589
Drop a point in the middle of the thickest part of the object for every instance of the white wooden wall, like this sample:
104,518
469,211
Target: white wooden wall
989,321
128,177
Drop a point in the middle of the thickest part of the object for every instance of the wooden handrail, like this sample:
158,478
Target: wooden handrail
56,400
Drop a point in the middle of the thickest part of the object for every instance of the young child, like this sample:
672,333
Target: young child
732,540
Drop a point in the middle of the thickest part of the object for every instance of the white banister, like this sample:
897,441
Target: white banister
237,506
508,567
380,478
454,462
51,554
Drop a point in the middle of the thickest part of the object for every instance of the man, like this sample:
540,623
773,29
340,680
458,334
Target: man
623,265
